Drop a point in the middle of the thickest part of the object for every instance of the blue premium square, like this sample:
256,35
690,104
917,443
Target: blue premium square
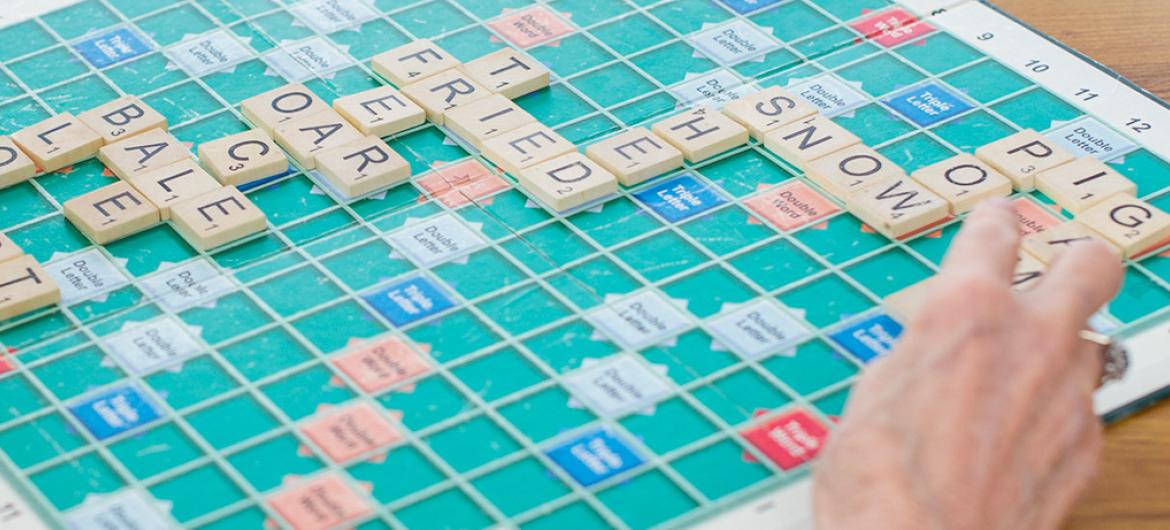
680,198
747,6
112,48
114,411
871,338
409,300
928,104
594,457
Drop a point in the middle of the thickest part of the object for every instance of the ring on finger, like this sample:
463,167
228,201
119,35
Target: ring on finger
1115,356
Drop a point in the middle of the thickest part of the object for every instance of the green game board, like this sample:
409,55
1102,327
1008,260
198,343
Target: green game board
655,359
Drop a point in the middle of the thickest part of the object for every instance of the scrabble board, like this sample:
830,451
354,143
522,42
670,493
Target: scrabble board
452,351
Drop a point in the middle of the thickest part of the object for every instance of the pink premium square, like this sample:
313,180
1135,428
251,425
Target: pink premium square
531,26
792,206
319,504
349,431
378,365
1033,218
892,27
461,183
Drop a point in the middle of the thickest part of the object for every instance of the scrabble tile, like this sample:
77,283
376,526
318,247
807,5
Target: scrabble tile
242,158
443,92
508,72
701,133
905,305
305,138
362,166
568,181
1081,184
8,249
1134,225
139,154
280,106
25,287
169,185
122,118
768,109
1029,272
806,140
112,212
15,166
381,111
964,181
58,142
217,218
525,147
636,156
412,62
1047,245
482,119
898,207
1022,156
850,169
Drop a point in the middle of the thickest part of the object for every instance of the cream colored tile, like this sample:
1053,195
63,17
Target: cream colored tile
568,181
25,287
964,181
242,158
767,110
1047,245
701,133
58,142
305,138
898,207
111,213
381,111
122,118
1082,184
1134,225
15,166
8,248
525,147
485,118
217,218
850,169
147,151
280,106
412,62
169,185
443,92
806,140
363,166
508,72
636,156
1022,156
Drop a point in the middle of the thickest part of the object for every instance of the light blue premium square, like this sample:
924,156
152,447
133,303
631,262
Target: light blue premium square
409,300
869,339
747,6
595,456
114,411
928,104
680,198
112,48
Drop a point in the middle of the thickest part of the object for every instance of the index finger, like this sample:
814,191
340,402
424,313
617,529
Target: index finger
989,243
1083,279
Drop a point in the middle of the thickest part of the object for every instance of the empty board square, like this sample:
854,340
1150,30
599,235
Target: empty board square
627,500
472,443
520,486
449,509
545,414
401,472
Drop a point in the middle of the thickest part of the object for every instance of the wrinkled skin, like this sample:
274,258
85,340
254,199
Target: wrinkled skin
981,418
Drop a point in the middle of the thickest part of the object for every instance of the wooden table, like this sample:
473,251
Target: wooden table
1133,38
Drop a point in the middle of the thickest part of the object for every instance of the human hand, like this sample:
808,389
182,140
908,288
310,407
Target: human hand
982,417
